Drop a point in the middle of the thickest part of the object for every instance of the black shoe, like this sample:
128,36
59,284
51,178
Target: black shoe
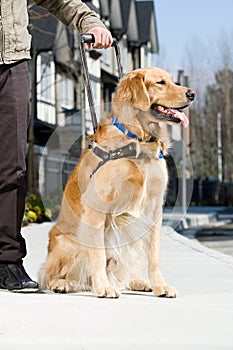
14,278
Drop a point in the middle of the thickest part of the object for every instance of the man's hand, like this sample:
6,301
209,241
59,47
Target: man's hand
103,38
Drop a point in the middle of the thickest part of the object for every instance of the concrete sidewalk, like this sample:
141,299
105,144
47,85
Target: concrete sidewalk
200,318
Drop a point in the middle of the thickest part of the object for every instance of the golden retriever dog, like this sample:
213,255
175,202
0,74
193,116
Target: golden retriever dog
111,213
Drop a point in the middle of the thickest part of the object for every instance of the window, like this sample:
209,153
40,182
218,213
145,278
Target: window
124,53
67,92
46,78
106,56
46,110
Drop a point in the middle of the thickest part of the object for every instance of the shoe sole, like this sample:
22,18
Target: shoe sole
25,290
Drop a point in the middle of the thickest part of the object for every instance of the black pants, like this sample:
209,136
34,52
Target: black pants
14,118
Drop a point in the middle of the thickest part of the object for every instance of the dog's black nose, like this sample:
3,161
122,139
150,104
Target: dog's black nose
190,94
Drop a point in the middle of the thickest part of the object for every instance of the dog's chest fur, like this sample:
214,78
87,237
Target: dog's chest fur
128,233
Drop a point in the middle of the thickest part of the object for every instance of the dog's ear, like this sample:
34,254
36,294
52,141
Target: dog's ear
133,90
139,91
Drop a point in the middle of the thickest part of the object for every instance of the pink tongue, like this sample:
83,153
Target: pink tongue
179,115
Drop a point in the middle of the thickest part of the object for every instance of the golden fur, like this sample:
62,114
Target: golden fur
110,222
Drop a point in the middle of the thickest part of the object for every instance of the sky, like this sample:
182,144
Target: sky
181,23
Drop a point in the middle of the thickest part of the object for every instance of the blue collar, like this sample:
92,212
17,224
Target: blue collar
127,132
123,129
160,155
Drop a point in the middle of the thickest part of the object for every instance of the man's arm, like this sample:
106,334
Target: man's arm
78,15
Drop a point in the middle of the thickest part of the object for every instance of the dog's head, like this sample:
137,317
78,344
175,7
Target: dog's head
154,97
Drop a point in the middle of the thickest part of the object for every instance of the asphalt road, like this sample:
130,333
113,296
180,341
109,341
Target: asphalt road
219,238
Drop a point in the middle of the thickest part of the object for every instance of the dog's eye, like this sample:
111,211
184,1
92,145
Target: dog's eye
162,82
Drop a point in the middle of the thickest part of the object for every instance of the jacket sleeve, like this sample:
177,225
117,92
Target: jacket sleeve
72,12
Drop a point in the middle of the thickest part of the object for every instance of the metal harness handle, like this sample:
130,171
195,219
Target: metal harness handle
89,38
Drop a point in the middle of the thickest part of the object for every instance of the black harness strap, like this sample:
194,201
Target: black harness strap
128,151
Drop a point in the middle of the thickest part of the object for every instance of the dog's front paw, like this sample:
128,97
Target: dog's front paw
107,292
59,286
140,286
165,292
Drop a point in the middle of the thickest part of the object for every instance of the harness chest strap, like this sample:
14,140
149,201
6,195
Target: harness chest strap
128,151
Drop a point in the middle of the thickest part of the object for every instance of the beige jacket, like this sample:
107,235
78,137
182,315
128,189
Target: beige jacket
15,40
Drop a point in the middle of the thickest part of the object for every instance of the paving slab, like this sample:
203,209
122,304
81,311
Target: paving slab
201,318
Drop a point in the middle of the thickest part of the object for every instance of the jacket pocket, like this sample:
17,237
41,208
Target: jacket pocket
23,42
